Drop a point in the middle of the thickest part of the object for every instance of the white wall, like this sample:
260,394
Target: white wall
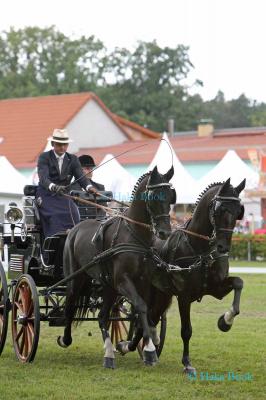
92,127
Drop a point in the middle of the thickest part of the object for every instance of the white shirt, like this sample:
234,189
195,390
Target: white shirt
60,160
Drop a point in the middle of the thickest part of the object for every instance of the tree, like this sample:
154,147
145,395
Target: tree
35,61
147,83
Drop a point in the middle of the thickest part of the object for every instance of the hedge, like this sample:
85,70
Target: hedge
248,247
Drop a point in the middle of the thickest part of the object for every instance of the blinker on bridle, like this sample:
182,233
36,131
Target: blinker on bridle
216,203
152,187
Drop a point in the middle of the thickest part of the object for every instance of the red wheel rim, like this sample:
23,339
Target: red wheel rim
25,318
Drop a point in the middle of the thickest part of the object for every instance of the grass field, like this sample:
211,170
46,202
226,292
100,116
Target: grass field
77,373
245,263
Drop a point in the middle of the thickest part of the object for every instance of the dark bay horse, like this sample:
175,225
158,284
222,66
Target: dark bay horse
203,244
128,270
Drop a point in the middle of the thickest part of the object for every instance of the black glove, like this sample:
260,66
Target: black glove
58,189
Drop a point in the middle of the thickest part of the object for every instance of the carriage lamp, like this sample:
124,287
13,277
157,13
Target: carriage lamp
14,214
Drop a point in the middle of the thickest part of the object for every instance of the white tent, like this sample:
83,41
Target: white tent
11,181
115,178
230,166
33,179
184,184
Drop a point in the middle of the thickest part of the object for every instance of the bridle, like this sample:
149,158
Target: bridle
148,196
216,203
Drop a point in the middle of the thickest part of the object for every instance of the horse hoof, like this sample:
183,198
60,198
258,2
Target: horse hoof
109,362
122,347
61,343
222,325
189,370
150,358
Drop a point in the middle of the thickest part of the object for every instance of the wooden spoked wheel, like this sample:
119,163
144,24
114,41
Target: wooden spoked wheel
4,308
122,330
25,319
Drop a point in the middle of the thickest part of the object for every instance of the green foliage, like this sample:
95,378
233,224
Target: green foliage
255,244
146,85
35,61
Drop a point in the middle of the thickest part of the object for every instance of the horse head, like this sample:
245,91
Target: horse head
159,196
225,210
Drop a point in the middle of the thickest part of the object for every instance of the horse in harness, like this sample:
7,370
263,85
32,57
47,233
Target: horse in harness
200,249
126,262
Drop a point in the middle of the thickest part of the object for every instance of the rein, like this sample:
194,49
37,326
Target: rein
194,234
218,199
109,210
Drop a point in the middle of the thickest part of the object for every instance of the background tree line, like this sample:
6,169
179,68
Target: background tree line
146,85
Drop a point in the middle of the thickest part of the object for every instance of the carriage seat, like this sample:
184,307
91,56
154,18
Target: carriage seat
89,211
30,190
30,209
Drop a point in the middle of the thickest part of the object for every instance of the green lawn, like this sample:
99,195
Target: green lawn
245,263
77,373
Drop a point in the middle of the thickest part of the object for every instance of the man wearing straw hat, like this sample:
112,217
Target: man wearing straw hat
56,168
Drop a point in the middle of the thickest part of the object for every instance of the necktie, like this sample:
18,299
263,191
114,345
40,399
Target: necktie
60,163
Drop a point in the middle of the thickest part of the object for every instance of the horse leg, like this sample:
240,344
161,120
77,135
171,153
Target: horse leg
226,320
159,304
70,308
126,346
103,317
186,333
127,289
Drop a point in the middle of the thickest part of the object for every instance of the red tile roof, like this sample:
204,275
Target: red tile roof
133,127
189,148
26,123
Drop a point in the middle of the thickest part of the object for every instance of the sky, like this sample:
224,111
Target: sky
226,38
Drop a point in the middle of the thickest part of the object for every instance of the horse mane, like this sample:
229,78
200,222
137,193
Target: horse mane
137,185
210,186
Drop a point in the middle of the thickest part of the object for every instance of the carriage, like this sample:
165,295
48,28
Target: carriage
24,293
193,262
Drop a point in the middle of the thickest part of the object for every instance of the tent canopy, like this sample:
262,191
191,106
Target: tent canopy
184,184
11,181
230,166
115,178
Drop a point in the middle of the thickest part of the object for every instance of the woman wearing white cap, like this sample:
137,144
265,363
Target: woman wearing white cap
56,168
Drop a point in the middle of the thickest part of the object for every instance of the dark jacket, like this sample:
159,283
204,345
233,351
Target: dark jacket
48,170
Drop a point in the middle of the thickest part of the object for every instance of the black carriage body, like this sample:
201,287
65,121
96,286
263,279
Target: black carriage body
27,271
25,251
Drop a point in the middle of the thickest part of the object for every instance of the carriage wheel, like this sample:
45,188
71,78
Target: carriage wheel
161,330
25,319
122,330
4,308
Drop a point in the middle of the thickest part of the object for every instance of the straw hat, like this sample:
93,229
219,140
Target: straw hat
60,136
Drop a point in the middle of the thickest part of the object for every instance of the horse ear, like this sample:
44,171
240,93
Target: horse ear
169,174
225,186
241,186
154,173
